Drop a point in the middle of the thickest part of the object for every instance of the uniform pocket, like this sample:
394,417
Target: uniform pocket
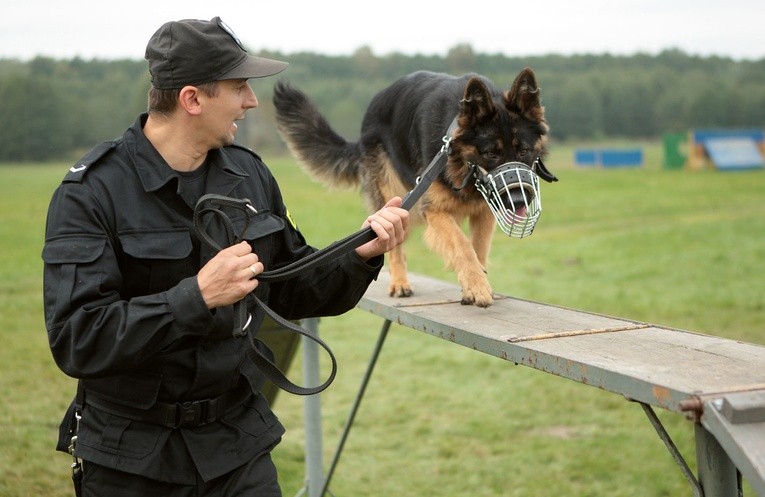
116,435
258,233
157,244
68,263
154,261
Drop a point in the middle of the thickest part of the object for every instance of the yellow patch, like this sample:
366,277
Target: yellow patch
292,221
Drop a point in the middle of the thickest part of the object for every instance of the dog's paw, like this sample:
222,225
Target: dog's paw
400,290
481,296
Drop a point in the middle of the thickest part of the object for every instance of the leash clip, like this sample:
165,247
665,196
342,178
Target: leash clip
446,148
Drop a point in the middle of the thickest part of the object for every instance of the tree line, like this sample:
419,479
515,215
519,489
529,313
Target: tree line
55,109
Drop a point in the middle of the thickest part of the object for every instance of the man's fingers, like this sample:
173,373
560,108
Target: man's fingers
254,270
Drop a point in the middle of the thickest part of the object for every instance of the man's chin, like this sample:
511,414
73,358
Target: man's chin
228,140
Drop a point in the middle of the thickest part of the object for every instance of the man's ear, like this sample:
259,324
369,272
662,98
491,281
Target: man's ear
188,98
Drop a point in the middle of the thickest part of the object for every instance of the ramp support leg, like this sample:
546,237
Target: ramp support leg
314,465
672,448
718,476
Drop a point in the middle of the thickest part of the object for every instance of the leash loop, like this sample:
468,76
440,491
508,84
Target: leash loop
214,204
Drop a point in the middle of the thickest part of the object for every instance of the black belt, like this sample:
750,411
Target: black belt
187,414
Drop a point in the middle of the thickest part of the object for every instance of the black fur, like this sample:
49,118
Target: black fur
402,131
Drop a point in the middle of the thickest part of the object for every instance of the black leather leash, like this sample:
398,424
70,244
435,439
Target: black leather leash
214,204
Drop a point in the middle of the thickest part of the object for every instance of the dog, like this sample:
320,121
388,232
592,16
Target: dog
402,130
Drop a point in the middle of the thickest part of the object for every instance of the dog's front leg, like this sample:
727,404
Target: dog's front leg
445,237
399,282
482,227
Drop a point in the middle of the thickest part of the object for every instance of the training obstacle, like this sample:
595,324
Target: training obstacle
609,157
718,384
726,149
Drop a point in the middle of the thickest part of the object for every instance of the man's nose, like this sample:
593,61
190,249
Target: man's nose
251,101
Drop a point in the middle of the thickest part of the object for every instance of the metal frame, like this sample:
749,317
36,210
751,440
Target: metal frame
729,424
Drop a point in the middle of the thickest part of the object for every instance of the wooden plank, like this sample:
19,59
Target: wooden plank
643,362
510,319
658,366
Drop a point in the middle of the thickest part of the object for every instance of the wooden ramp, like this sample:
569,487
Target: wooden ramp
717,383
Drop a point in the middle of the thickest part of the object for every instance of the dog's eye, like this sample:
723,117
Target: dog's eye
522,152
490,155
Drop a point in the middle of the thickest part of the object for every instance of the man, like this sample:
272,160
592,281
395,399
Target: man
140,310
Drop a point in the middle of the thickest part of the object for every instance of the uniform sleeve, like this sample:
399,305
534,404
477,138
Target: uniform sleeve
327,290
93,331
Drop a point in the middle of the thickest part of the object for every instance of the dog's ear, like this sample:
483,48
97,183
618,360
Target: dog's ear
523,97
476,104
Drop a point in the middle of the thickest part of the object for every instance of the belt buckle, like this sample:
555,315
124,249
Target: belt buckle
187,414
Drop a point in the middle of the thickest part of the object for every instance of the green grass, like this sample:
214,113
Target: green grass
675,248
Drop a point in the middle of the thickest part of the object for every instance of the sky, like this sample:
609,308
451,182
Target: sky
105,29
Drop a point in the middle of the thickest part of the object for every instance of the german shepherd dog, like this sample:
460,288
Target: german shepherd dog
402,130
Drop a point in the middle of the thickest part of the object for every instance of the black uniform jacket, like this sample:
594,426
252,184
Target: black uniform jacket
124,312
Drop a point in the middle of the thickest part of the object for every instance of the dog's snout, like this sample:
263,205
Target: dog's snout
517,197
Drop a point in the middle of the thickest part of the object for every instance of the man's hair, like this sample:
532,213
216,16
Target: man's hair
164,101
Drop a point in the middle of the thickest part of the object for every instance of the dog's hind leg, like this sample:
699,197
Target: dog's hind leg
445,237
379,184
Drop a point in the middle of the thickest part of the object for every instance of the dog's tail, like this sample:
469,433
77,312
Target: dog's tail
319,149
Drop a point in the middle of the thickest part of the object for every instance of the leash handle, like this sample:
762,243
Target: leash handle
214,204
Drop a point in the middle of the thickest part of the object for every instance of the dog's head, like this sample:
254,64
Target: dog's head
501,139
496,128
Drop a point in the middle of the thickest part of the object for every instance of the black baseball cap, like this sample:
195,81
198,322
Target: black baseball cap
193,52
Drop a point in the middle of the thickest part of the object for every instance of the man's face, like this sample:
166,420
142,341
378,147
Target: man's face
233,99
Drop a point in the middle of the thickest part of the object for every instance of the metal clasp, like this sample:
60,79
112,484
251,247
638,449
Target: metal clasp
76,463
447,146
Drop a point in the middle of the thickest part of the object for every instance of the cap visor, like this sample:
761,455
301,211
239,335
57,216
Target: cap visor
255,67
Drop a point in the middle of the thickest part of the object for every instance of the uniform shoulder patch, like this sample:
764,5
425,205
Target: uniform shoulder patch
292,221
80,168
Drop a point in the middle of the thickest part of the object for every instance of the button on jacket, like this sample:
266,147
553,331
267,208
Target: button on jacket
125,315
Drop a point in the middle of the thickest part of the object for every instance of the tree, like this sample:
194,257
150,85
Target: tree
461,59
35,120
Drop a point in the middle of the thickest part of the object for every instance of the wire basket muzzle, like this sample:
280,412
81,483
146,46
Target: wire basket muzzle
512,192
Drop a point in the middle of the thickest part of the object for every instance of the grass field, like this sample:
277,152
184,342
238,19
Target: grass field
676,248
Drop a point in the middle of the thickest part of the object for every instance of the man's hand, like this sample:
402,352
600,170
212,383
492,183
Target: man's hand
390,224
229,276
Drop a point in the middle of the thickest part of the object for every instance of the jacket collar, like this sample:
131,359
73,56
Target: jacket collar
155,173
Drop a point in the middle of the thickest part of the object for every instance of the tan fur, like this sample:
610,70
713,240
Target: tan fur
389,185
444,215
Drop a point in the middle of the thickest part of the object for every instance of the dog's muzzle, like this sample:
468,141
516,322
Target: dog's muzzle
512,192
